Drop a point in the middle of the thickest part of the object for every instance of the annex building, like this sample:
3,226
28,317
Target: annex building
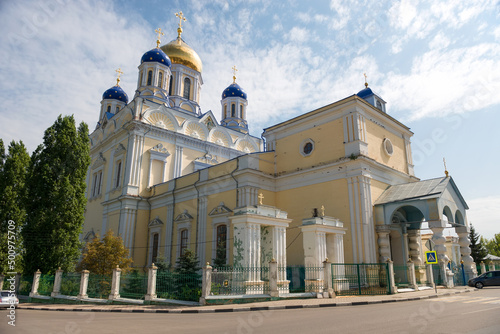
336,182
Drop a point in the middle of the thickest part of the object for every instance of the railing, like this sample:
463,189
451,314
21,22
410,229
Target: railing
421,276
240,281
46,285
401,276
133,285
173,285
70,284
360,279
25,284
99,286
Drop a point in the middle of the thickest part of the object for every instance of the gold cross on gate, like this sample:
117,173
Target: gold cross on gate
261,197
119,72
234,73
160,33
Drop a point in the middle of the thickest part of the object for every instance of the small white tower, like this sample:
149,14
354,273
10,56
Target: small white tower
113,99
234,106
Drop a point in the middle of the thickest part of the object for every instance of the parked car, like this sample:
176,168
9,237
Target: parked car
7,298
487,279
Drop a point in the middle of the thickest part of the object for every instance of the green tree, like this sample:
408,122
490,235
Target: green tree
187,263
493,245
187,279
220,256
478,251
102,256
13,176
56,197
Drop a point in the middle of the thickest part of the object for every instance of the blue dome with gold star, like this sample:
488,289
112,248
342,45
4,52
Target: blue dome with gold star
156,55
234,90
365,93
115,93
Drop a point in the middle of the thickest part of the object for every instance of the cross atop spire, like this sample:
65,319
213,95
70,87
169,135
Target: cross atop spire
181,18
160,33
234,73
366,82
445,170
119,72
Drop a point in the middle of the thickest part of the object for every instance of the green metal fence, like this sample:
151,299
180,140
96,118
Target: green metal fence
438,274
46,285
401,278
70,284
296,275
25,284
174,285
240,281
99,286
421,276
360,279
133,285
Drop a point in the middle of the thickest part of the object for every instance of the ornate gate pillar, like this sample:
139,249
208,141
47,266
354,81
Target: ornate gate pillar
465,251
384,244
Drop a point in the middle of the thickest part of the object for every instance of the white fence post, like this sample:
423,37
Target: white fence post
57,283
36,282
430,275
115,284
273,278
390,270
328,280
151,294
84,283
411,274
206,283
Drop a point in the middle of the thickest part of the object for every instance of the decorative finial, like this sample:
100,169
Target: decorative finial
234,73
322,211
181,18
366,82
445,170
160,33
261,197
119,72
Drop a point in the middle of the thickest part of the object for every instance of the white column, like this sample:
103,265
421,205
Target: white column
352,216
115,284
178,161
84,283
414,245
202,229
439,241
384,244
167,251
151,293
36,282
465,251
57,283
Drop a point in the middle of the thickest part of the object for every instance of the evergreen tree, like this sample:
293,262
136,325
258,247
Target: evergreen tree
13,175
220,256
187,280
56,197
102,256
478,251
187,263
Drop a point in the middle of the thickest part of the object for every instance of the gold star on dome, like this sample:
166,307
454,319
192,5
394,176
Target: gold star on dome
160,33
119,72
181,18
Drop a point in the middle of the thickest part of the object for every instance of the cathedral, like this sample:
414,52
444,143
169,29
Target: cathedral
334,183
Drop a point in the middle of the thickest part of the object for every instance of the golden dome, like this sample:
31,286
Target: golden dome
180,53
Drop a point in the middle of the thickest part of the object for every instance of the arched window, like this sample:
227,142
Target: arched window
233,110
118,173
379,105
160,80
187,88
221,250
109,109
225,110
155,247
150,78
117,109
184,241
171,85
241,111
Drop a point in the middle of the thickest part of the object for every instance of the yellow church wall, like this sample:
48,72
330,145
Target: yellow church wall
333,195
113,222
93,216
375,136
188,156
140,246
266,162
222,169
116,192
187,180
328,146
191,207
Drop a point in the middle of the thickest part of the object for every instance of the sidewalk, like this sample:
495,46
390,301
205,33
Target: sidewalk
259,306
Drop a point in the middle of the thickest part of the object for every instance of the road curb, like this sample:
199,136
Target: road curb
247,309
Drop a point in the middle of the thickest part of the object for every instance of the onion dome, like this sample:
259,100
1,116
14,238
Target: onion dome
115,93
181,53
364,93
156,55
234,90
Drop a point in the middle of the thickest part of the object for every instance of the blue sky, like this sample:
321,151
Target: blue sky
436,63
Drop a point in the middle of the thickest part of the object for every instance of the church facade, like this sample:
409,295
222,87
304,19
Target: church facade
336,182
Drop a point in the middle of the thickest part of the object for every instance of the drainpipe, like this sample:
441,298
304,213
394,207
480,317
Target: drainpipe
237,189
197,214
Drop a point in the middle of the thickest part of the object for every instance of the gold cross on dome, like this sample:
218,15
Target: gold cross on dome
181,18
445,170
261,197
322,211
160,33
366,82
234,73
119,72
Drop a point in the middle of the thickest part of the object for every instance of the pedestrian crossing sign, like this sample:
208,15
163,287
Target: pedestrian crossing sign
431,257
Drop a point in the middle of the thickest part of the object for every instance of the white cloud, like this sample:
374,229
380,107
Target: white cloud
342,8
297,34
484,214
440,41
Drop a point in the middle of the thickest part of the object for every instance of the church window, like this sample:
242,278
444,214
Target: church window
307,147
155,247
160,80
184,241
150,78
225,110
187,88
388,148
171,85
117,109
118,173
379,105
233,110
109,109
96,183
140,79
221,240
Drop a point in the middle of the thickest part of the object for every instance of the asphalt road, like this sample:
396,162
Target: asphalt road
477,312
